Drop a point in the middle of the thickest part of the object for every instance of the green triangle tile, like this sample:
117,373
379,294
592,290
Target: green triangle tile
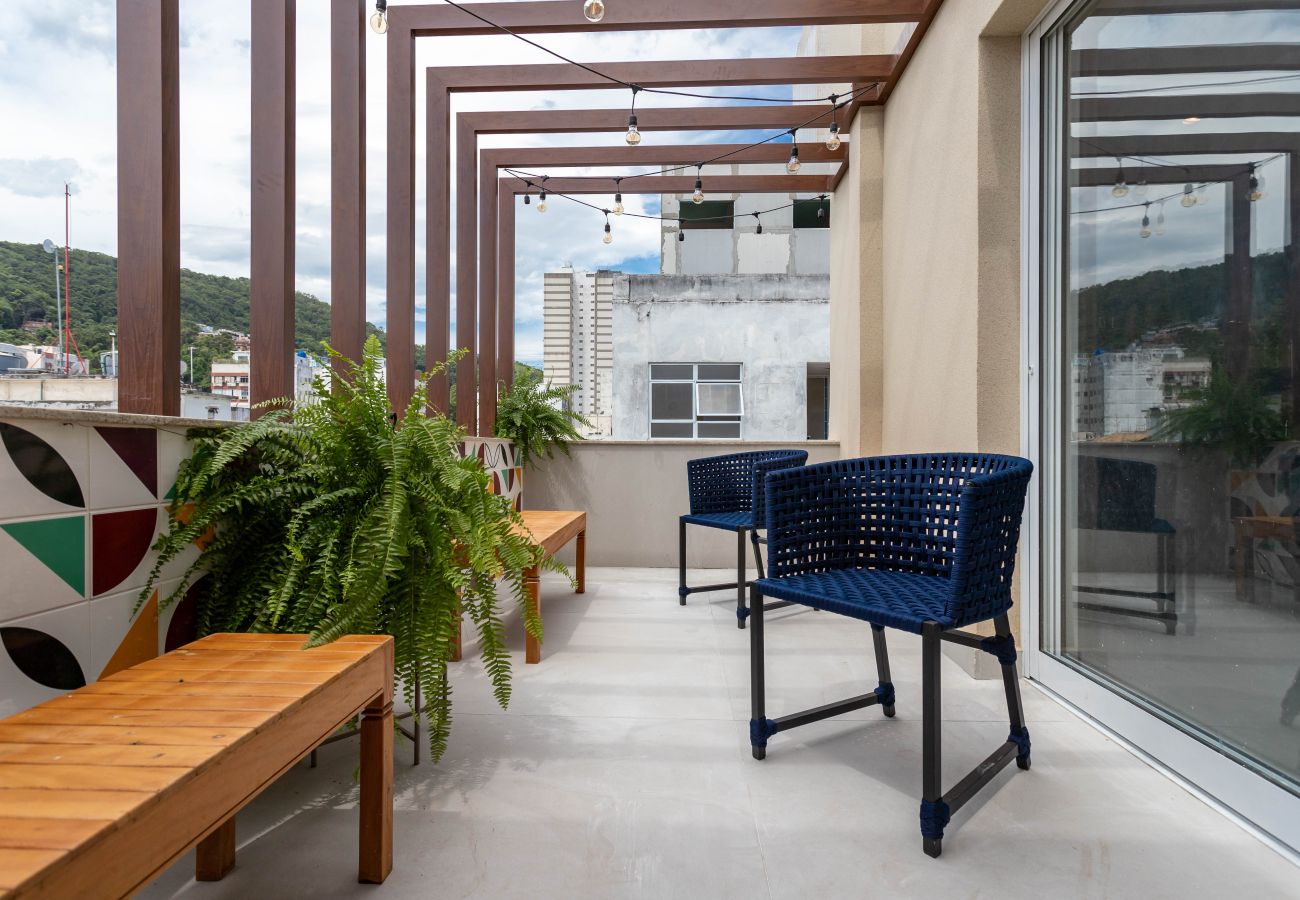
58,543
171,492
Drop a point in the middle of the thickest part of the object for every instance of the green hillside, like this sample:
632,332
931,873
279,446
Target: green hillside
27,294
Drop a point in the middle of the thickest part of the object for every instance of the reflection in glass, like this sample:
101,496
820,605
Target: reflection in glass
1180,520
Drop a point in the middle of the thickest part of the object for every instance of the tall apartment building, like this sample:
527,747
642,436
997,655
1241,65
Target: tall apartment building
577,340
230,378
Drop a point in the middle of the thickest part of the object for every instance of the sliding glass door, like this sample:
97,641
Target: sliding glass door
1168,330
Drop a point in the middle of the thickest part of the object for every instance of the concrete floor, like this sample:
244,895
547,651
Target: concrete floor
622,769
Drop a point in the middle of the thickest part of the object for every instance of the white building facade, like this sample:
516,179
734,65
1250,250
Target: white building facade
577,334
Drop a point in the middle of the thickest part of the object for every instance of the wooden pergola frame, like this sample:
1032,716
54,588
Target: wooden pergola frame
471,324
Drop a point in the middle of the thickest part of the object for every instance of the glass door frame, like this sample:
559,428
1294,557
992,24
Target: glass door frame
1209,771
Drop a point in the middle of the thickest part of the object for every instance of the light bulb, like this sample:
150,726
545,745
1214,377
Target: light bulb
793,165
681,237
618,204
541,202
379,21
1142,188
1160,222
609,235
594,10
528,199
1256,189
1189,197
633,133
698,196
1146,228
1202,197
833,141
1120,189
1191,120
760,224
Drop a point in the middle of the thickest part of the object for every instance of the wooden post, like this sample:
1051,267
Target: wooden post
466,277
348,176
271,260
214,856
401,214
487,300
533,586
437,253
505,286
148,210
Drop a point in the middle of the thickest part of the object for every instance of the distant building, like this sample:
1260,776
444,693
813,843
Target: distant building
1127,392
578,343
230,378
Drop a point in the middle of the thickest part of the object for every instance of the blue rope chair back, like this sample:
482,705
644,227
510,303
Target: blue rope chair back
736,482
1116,494
954,516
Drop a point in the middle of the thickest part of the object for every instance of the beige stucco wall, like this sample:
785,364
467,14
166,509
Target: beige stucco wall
634,492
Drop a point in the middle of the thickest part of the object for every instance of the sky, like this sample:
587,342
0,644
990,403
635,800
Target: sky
58,103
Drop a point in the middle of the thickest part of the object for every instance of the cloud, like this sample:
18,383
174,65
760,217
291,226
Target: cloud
39,177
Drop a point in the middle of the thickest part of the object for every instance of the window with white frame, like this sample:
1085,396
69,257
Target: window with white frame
696,400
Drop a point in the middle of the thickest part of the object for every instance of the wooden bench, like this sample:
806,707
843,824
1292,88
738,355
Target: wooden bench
551,530
103,788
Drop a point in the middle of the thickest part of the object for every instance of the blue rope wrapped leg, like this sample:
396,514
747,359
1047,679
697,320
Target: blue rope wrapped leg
759,731
1020,737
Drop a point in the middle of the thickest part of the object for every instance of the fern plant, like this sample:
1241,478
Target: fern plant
341,518
538,417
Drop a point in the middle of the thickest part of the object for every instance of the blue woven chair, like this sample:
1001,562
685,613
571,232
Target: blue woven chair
924,544
727,493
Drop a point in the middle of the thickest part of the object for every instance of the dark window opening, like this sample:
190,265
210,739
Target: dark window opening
812,214
709,214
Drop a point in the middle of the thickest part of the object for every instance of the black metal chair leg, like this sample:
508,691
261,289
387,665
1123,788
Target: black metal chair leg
759,726
758,554
1015,709
681,563
886,688
741,612
933,810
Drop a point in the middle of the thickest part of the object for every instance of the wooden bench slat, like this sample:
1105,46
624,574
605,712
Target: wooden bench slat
185,676
26,833
163,701
39,803
16,864
81,777
105,754
279,690
67,715
107,734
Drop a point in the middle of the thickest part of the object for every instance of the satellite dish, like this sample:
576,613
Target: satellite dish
49,246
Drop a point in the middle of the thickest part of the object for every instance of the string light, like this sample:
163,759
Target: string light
1145,231
618,198
698,197
760,224
609,235
633,133
594,10
1189,195
1143,189
1256,187
541,200
821,210
1160,220
681,235
833,140
793,165
1121,186
379,21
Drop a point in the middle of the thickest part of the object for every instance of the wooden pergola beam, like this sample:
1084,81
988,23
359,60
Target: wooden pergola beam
1198,144
1180,7
669,154
148,206
1206,106
510,188
272,154
439,20
1184,60
687,118
348,176
1105,177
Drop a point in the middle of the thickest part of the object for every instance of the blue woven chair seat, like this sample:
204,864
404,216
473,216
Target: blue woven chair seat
889,599
728,521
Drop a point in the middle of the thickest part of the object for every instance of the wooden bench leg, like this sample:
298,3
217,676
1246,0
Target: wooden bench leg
457,647
582,561
533,583
214,857
376,856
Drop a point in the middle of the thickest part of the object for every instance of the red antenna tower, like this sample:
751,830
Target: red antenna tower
65,327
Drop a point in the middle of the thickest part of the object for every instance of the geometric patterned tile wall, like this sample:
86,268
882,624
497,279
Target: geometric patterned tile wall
80,506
